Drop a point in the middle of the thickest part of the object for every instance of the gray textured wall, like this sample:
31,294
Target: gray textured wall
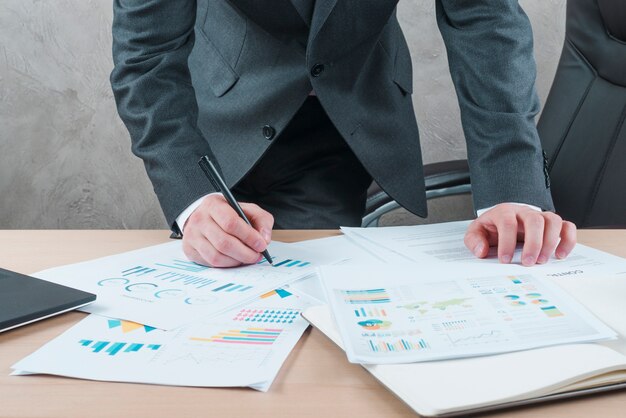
65,158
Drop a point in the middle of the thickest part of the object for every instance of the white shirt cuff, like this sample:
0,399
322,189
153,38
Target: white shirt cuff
181,220
479,212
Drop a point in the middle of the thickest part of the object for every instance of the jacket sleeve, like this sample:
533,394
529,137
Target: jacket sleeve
151,83
490,53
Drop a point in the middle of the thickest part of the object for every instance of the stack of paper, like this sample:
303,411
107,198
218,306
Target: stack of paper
162,319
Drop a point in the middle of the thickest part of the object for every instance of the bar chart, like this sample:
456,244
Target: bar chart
232,287
366,296
113,348
379,346
185,279
248,336
288,262
138,271
276,316
364,313
184,265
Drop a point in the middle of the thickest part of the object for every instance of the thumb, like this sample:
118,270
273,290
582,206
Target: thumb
477,240
261,220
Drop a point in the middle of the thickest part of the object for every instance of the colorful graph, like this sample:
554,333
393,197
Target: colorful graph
255,336
540,301
114,348
184,265
368,296
286,263
551,311
232,287
282,316
362,312
128,326
374,324
533,295
185,279
515,279
402,344
280,292
518,303
511,297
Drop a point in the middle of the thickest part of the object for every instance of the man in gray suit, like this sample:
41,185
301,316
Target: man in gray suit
303,102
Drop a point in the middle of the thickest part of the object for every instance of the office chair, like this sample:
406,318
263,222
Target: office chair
582,127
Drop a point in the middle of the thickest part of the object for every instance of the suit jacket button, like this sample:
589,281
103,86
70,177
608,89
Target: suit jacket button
317,70
268,132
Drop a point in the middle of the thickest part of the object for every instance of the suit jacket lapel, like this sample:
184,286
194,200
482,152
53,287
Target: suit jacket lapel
321,11
304,9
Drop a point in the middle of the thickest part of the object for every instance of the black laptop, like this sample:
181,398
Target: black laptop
25,299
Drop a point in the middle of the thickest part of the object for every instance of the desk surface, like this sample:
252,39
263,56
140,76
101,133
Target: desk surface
316,380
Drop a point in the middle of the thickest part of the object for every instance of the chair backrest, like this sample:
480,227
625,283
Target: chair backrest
583,127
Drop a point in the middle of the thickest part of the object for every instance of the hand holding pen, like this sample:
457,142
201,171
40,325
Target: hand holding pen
216,233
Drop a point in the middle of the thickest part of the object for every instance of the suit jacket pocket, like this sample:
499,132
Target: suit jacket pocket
209,66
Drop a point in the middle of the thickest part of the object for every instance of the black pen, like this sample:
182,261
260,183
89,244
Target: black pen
216,180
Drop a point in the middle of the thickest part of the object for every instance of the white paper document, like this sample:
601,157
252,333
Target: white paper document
408,313
159,287
443,243
242,347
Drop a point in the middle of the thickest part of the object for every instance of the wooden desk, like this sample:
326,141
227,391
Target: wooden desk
316,380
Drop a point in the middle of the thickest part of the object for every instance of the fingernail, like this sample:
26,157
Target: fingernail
542,259
528,261
267,235
560,254
505,259
478,250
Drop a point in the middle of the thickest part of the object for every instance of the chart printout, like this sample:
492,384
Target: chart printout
159,287
245,346
443,243
403,315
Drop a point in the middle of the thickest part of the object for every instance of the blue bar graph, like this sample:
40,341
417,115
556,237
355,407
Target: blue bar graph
116,347
186,279
133,347
232,289
97,347
282,262
184,266
138,271
223,287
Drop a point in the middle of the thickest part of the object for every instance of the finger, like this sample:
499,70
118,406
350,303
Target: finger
199,250
230,222
261,220
193,255
568,240
477,239
533,223
506,224
551,232
227,245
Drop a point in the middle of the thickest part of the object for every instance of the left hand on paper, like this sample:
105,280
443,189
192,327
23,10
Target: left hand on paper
507,224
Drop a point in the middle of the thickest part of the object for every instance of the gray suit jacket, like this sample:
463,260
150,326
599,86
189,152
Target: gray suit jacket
222,77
